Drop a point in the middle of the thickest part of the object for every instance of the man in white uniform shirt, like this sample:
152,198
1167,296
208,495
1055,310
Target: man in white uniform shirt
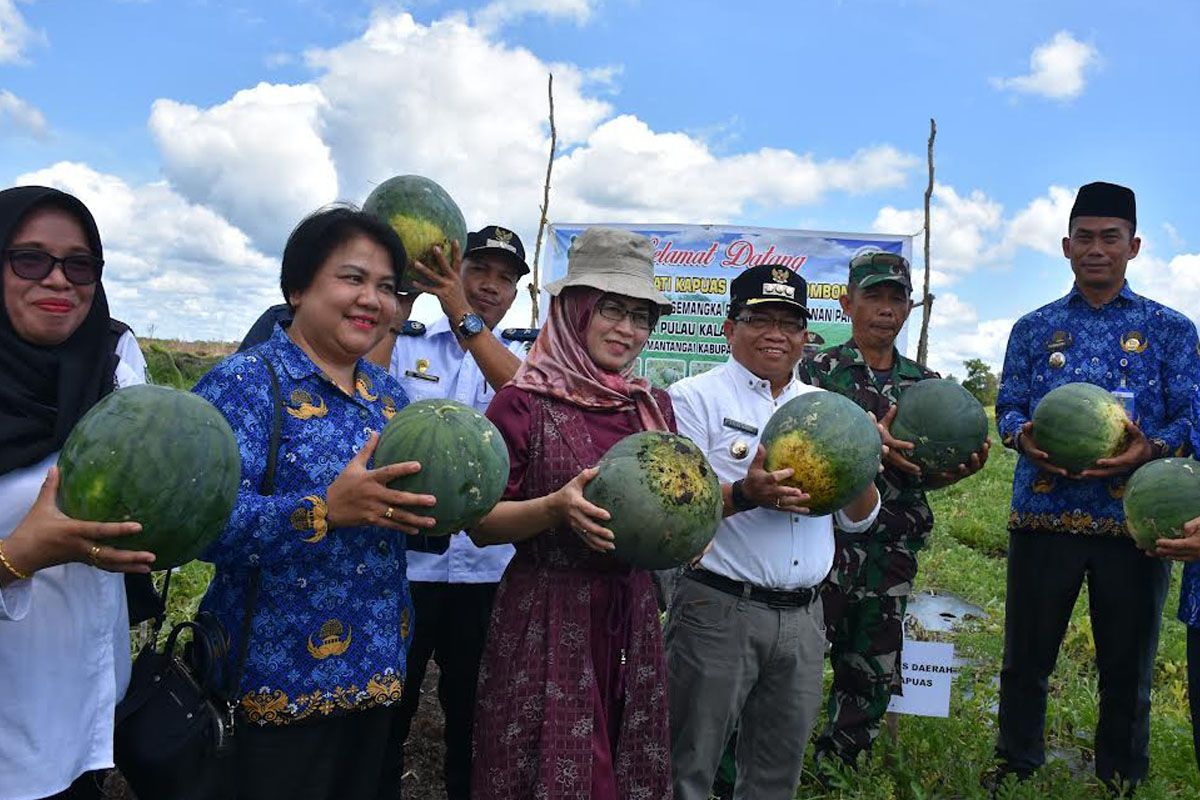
745,638
457,357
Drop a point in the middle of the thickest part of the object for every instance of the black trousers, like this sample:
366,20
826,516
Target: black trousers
1126,590
451,627
1193,662
322,758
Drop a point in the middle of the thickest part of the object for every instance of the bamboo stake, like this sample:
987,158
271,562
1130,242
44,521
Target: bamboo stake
927,298
537,250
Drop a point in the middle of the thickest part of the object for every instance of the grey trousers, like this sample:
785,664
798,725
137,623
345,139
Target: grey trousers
730,659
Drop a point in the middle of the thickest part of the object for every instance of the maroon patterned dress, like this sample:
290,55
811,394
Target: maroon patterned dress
572,700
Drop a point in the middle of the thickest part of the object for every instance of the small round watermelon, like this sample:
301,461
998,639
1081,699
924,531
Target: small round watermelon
831,444
422,213
1077,424
464,461
1159,497
159,456
664,498
944,422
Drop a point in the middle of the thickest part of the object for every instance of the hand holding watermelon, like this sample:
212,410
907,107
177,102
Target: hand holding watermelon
582,516
1028,447
897,449
1138,451
47,537
442,278
360,496
1185,548
768,489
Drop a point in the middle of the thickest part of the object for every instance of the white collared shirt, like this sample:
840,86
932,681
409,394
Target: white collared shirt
438,354
723,411
64,649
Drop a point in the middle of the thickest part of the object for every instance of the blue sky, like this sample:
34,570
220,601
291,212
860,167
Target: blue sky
200,132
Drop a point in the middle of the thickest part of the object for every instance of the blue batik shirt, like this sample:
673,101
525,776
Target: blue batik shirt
333,616
1130,342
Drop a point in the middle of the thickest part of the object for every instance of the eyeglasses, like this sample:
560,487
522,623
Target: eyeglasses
615,312
762,322
35,265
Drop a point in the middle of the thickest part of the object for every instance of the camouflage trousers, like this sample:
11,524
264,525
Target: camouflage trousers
865,598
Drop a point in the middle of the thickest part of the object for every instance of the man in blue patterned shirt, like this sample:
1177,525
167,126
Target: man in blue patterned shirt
1065,528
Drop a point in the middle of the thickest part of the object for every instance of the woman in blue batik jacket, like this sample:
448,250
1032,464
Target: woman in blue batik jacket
332,616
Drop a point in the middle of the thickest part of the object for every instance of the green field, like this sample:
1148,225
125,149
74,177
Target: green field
946,758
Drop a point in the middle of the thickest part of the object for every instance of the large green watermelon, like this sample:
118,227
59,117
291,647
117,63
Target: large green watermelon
831,444
422,213
158,456
1159,497
664,498
464,462
945,423
1077,424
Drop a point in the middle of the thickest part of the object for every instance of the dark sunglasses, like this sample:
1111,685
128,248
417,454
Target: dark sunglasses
35,265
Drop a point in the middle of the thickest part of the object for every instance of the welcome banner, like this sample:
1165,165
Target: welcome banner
693,266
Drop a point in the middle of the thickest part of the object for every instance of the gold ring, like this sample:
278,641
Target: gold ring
777,502
94,555
388,514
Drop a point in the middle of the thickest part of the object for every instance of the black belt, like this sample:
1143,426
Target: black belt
772,597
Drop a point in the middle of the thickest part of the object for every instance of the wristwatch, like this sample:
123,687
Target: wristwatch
469,325
738,498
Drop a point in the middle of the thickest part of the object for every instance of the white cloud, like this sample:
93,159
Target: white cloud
17,117
171,267
1057,69
1041,225
15,33
963,230
502,12
258,158
956,334
385,104
1174,282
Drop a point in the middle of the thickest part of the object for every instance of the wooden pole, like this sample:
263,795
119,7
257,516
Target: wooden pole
534,283
927,298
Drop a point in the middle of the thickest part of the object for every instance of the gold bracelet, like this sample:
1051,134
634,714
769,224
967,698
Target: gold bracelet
8,565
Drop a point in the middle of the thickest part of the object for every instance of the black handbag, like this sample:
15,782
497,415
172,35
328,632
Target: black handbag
174,734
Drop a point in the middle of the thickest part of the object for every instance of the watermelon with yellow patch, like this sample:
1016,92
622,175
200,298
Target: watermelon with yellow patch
1159,498
664,498
423,214
1077,424
831,444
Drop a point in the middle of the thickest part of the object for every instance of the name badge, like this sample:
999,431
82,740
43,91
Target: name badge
744,427
425,376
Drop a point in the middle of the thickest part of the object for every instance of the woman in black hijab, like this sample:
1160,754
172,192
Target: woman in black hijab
64,646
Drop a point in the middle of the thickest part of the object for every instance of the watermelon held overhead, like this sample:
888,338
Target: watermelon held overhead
1159,497
829,442
1077,424
464,461
163,457
944,422
664,498
422,213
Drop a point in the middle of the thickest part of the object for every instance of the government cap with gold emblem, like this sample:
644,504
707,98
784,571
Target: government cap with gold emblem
871,269
494,239
768,283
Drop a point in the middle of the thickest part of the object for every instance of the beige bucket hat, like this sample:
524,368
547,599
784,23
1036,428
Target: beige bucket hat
612,260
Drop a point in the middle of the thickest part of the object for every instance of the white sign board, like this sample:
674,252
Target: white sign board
927,671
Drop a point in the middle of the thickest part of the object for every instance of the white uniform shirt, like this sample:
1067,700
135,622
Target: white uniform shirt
438,354
64,649
767,548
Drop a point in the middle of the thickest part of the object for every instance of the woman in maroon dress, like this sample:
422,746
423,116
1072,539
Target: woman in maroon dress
572,700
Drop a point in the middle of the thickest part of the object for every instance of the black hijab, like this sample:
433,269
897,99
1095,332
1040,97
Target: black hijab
45,390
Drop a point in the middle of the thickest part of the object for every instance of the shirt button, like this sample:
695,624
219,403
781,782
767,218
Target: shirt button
795,563
383,546
362,412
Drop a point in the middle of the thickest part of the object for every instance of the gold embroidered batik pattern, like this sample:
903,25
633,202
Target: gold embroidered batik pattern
1067,522
312,518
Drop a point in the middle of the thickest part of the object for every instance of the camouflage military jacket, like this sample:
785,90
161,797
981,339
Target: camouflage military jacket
904,514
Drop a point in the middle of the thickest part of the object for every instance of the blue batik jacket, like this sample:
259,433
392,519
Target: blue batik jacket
333,615
1131,342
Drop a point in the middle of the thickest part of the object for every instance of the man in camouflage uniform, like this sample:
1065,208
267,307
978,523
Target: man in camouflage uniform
867,590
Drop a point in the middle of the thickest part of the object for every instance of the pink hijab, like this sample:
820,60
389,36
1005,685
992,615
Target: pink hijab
559,366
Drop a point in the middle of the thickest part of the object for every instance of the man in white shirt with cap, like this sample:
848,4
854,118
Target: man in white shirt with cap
457,357
745,638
